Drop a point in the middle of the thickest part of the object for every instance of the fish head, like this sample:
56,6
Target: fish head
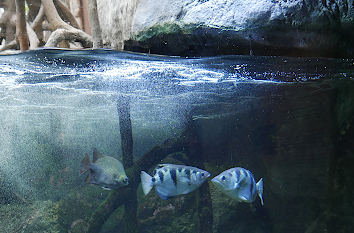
121,180
224,181
108,178
202,175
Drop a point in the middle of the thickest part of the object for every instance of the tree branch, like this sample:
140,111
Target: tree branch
71,35
95,24
66,13
62,30
37,23
9,45
21,31
32,36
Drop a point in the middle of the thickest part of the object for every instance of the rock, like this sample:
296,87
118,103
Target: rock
212,27
40,216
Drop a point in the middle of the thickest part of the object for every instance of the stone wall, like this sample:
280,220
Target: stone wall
211,27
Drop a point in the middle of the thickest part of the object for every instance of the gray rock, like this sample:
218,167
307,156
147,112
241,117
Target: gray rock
210,27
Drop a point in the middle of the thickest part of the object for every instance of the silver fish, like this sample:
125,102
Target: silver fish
172,180
104,171
239,183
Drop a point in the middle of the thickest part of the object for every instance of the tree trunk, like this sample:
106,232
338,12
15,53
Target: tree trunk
126,134
7,18
123,107
21,31
95,24
33,39
37,24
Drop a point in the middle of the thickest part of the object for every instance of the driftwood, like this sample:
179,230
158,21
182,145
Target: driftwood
21,31
95,24
65,13
27,27
61,29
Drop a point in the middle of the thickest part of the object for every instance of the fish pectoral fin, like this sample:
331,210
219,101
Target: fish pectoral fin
240,183
243,198
236,186
162,196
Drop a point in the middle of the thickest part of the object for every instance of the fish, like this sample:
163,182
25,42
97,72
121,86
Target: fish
104,171
172,180
239,183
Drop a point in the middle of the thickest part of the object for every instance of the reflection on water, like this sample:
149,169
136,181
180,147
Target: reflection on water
289,120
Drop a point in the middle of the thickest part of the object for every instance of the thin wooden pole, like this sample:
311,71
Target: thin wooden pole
21,31
126,134
94,24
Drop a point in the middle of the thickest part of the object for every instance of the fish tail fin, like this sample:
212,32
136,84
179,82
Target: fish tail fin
84,165
259,187
146,182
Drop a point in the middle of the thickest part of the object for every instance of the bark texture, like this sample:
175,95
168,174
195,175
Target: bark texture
95,24
21,31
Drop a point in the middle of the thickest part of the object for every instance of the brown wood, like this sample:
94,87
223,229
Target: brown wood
62,30
95,24
21,31
66,14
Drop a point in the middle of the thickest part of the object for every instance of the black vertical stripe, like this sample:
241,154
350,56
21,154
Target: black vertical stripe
188,173
252,186
160,176
173,175
238,174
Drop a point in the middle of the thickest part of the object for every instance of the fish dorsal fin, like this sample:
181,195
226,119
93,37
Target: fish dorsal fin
84,165
96,155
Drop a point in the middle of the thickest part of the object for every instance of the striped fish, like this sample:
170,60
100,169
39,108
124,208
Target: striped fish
172,180
239,183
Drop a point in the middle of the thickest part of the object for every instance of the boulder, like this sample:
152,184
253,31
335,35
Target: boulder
213,27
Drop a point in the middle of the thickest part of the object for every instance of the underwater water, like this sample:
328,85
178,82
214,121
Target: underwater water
289,121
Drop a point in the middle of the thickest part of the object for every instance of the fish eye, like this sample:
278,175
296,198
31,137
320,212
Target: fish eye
202,174
223,178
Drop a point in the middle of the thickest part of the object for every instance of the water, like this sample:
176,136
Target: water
288,120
